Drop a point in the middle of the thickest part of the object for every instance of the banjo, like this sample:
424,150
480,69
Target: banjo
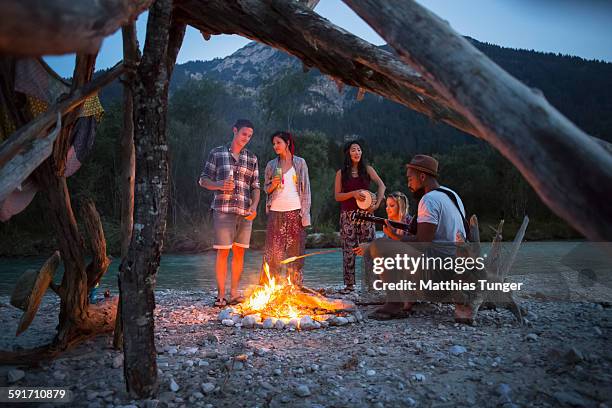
360,217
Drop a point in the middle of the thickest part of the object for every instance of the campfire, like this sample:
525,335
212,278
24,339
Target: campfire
278,303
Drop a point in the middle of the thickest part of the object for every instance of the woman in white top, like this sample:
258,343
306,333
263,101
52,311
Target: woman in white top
288,207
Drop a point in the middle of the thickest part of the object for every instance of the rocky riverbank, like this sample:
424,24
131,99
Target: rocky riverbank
561,357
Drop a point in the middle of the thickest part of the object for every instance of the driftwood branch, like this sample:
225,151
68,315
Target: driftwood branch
97,243
19,168
569,170
24,140
294,28
41,27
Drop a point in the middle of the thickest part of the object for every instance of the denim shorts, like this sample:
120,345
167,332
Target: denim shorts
231,229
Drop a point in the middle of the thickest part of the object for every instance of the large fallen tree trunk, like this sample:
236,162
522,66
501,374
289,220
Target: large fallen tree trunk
40,27
569,170
519,122
294,28
139,269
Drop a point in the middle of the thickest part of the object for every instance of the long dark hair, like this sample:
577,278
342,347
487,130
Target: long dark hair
287,138
362,166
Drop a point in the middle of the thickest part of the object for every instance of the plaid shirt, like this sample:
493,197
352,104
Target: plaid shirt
246,178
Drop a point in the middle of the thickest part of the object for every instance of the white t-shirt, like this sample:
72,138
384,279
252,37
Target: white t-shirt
437,208
287,199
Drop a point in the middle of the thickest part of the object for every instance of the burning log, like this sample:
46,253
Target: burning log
280,299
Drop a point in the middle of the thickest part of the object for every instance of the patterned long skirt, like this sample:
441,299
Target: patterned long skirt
352,234
285,237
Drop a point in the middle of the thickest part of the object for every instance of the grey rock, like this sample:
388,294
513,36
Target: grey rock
15,375
571,398
573,356
409,401
118,361
371,352
269,322
279,325
457,350
197,395
370,373
226,314
174,387
306,323
418,377
59,375
228,322
277,371
504,391
302,390
338,321
207,388
91,395
151,403
531,337
249,321
167,396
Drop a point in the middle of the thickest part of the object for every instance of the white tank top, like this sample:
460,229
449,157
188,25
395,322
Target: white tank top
287,198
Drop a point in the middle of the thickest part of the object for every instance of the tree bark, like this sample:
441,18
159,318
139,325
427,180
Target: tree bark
138,271
41,27
131,58
569,170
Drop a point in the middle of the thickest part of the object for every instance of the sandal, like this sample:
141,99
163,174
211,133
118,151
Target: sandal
220,302
236,300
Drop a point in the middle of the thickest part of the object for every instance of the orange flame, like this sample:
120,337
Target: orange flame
282,299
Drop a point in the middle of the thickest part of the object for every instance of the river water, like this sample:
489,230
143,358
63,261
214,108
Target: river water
541,260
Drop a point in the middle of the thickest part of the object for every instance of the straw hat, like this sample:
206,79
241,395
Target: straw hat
30,288
425,164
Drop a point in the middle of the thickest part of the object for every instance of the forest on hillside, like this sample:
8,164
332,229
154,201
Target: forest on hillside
202,111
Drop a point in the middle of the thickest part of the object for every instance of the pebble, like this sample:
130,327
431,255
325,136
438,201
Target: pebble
59,375
306,323
174,387
370,373
339,321
118,361
504,391
249,321
269,322
151,403
457,350
370,352
228,322
279,325
207,388
531,337
418,377
277,371
573,356
302,390
15,375
225,314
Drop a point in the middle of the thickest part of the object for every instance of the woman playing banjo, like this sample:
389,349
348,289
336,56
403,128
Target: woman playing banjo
351,185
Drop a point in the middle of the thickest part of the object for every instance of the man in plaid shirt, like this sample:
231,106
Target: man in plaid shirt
231,171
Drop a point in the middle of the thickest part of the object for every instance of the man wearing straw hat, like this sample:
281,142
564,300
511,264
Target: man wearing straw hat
439,224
